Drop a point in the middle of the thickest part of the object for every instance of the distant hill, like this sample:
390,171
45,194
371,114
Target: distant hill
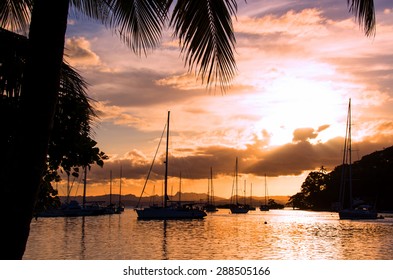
132,200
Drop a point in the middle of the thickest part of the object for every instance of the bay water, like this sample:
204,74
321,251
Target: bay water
259,235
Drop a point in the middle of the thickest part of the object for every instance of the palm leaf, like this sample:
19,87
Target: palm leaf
93,9
138,23
206,37
15,14
364,12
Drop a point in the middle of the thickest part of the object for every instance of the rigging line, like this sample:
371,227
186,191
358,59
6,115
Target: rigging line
151,166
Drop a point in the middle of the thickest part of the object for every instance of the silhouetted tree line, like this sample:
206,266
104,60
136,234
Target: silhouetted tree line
71,145
372,184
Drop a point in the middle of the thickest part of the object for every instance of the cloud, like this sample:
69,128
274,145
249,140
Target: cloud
257,159
302,23
79,54
304,134
323,127
298,61
183,82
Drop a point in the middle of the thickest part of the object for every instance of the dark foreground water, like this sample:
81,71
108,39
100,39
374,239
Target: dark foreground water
273,235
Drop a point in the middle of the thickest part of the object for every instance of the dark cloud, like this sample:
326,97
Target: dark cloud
285,160
136,87
304,134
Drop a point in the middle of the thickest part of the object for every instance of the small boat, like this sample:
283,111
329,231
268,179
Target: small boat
120,206
353,211
209,206
72,208
250,206
265,206
238,208
174,211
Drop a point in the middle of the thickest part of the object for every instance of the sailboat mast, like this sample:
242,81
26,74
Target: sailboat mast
236,181
180,189
84,188
245,187
121,171
265,192
110,187
208,190
350,153
211,186
166,163
251,194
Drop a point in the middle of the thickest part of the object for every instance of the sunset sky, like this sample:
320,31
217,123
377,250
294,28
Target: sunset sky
298,63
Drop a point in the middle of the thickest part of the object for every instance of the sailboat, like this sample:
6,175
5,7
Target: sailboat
250,206
353,212
173,211
265,207
210,207
120,206
238,208
74,209
112,208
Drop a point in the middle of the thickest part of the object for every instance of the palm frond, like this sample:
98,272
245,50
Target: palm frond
13,50
73,90
93,9
139,23
206,37
364,12
15,15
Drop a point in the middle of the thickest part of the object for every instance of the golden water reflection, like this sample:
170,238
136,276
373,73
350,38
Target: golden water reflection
273,235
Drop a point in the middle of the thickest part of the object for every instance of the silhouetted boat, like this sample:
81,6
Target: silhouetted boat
353,212
175,211
112,208
265,206
238,208
72,208
209,206
120,206
251,207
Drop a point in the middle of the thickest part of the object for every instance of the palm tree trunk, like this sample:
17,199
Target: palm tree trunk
24,168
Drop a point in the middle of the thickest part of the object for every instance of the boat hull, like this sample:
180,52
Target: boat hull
239,210
161,213
264,208
357,214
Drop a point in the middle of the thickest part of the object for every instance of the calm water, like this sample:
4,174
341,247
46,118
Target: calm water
287,235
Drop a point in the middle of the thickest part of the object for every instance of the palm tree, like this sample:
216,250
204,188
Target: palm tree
70,145
206,37
205,32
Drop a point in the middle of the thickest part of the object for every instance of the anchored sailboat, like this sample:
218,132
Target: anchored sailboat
169,212
265,206
237,208
352,212
210,206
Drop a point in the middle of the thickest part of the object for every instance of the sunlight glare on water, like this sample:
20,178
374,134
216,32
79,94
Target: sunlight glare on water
272,235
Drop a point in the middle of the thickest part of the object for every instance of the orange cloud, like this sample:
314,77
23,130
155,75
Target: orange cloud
78,52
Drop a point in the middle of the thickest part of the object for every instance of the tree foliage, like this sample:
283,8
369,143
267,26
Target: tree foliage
372,184
71,145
